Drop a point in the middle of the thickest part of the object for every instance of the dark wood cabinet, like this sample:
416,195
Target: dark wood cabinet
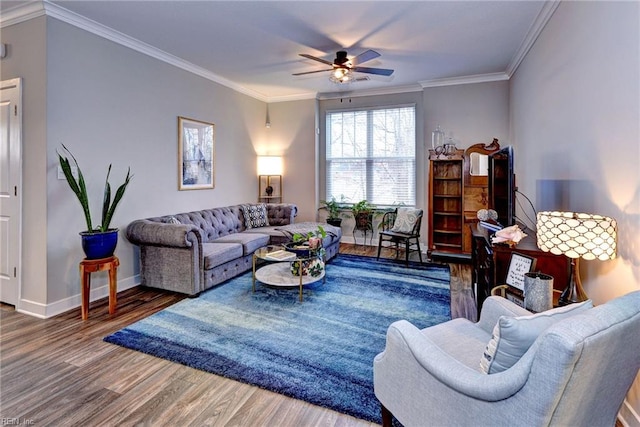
490,263
476,186
446,194
457,191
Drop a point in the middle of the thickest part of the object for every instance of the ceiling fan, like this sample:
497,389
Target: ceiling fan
342,67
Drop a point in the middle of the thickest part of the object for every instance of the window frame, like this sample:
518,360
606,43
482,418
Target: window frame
370,160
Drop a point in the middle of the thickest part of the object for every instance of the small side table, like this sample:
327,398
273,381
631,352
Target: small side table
88,266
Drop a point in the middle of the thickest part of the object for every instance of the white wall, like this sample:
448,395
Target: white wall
26,58
575,124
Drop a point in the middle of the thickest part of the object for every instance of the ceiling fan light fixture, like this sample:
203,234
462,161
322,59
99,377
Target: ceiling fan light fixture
340,75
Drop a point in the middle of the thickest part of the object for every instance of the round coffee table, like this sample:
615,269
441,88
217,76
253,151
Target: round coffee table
278,271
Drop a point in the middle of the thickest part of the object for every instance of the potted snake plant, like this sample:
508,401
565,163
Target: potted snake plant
99,241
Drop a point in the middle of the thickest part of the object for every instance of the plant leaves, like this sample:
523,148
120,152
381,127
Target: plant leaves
78,187
116,199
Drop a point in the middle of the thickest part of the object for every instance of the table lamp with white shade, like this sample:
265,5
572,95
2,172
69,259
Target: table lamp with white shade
576,235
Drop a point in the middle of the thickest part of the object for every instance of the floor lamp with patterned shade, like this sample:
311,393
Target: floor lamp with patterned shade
576,235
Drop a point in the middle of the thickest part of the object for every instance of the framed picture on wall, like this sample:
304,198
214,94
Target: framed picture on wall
196,154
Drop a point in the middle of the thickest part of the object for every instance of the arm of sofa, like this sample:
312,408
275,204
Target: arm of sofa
146,232
281,213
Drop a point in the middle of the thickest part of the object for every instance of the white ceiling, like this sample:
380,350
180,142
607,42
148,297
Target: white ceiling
253,46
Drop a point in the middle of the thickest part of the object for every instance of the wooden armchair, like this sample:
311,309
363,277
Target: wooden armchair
392,239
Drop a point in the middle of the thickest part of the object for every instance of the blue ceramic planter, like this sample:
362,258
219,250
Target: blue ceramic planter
97,245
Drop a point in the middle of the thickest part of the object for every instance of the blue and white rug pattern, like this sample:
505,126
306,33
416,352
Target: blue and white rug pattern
320,350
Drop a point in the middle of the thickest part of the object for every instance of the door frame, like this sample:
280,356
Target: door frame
16,177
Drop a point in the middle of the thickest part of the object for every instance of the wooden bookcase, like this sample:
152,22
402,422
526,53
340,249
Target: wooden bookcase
446,196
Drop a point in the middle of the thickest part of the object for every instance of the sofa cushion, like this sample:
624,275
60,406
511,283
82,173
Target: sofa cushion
448,336
250,241
276,236
512,336
405,220
255,215
216,254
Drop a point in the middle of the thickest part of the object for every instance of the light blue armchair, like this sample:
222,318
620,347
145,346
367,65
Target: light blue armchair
577,372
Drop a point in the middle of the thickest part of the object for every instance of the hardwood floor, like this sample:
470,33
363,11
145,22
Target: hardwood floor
59,372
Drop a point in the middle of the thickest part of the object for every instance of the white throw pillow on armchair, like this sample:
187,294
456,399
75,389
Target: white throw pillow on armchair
406,220
512,336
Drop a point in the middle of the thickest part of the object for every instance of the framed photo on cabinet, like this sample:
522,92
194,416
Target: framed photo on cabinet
196,154
518,266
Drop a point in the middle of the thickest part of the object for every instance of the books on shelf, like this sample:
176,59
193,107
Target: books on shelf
281,255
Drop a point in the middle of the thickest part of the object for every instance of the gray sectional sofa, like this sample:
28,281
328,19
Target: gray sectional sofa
194,251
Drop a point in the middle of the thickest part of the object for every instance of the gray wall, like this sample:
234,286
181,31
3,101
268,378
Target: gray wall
575,124
110,104
292,136
469,113
26,58
575,108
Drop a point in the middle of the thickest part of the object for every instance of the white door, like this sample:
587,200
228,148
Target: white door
10,189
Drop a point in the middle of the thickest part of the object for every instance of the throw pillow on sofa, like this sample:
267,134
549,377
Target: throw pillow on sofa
255,215
512,336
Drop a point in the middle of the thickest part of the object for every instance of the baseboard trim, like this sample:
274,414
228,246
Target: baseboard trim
44,311
628,416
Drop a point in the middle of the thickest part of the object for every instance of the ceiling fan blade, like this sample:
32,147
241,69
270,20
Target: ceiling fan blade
310,72
316,59
369,70
365,56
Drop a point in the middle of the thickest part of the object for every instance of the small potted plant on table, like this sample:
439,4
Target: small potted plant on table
308,246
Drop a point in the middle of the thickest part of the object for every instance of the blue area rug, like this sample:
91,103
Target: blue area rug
320,351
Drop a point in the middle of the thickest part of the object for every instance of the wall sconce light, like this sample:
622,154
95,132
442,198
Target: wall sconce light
576,235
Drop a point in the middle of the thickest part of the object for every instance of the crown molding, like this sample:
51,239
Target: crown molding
452,81
35,9
22,13
536,28
294,97
370,92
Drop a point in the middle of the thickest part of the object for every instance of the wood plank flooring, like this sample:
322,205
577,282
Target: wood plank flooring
59,372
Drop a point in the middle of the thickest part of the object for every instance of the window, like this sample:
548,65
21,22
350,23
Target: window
371,155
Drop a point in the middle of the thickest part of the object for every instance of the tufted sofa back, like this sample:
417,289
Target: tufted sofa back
280,213
219,222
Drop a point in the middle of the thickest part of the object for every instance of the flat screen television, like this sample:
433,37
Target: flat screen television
502,185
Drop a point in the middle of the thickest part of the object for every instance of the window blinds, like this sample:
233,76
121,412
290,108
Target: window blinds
370,155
